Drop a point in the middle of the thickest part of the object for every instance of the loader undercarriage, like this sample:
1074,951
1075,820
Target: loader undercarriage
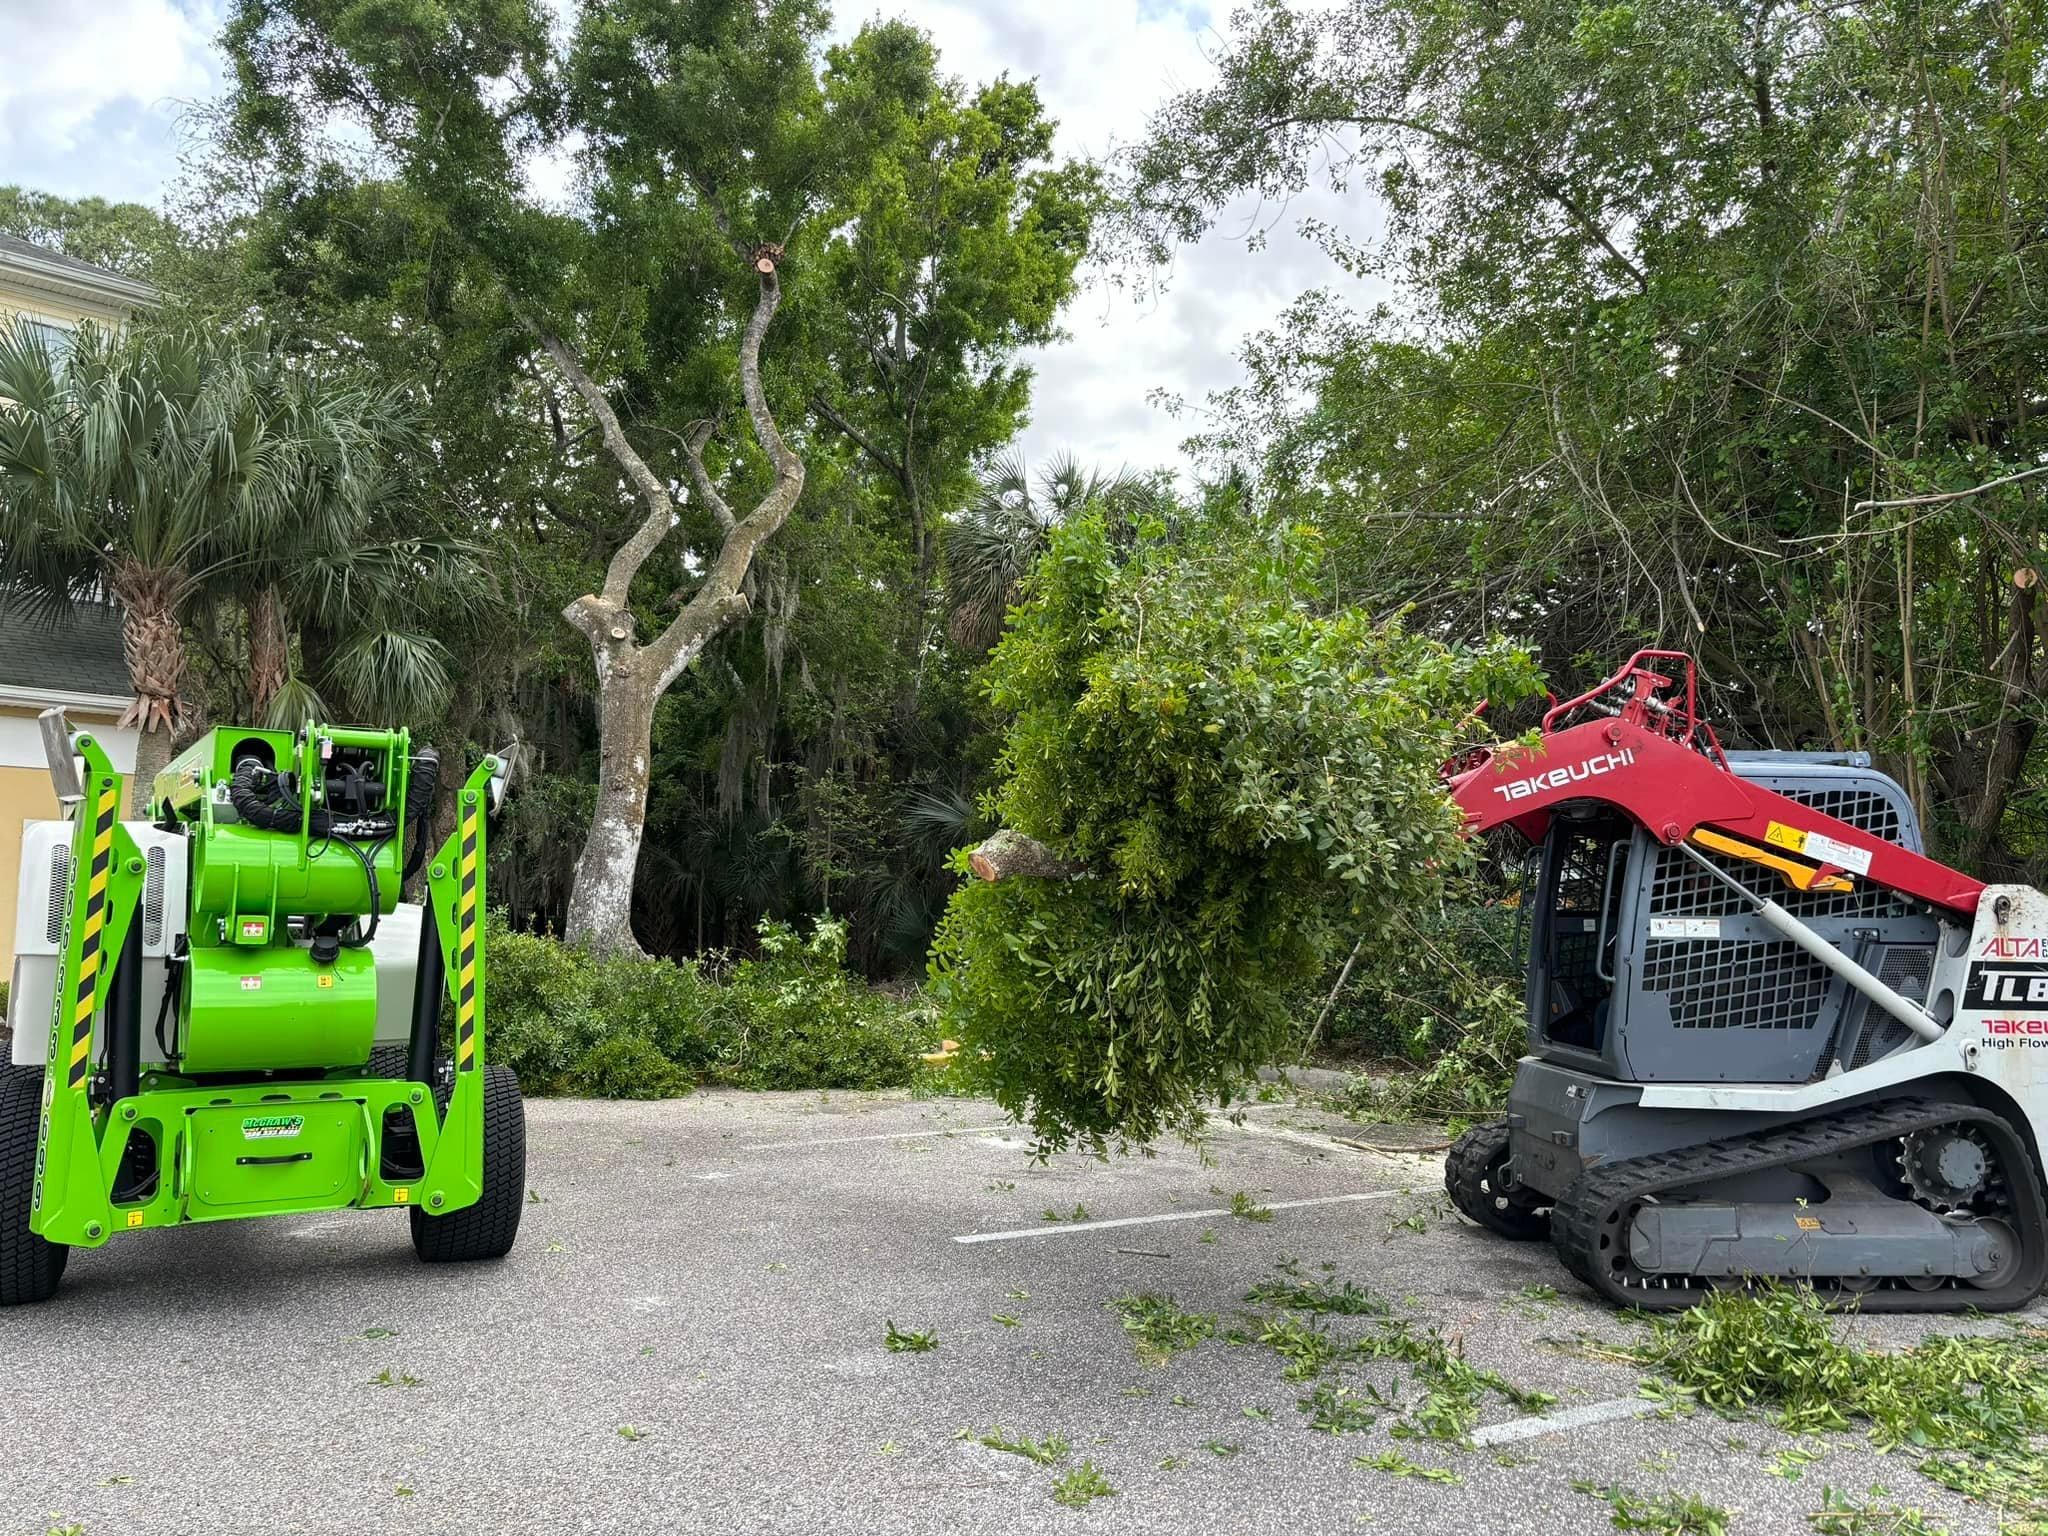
1827,1202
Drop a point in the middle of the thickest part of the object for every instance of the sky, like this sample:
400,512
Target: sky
100,115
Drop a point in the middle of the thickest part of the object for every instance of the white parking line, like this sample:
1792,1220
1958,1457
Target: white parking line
840,1141
1067,1228
1564,1419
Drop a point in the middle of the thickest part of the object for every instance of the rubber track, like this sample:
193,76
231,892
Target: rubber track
486,1229
29,1267
1576,1220
1471,1156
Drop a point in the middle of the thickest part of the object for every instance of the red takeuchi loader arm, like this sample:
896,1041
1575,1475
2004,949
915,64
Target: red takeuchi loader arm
1638,743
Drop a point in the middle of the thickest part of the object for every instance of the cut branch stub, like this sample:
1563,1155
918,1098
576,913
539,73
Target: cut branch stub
767,258
1011,856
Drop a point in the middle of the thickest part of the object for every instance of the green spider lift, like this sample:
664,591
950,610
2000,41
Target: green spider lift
297,1063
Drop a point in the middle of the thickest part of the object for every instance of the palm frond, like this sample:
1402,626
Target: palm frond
297,703
392,675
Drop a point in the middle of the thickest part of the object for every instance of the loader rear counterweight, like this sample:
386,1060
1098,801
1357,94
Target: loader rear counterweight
242,1017
1768,1037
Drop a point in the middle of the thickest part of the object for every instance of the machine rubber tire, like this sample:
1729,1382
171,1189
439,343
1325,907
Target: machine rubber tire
1472,1175
389,1061
486,1229
29,1267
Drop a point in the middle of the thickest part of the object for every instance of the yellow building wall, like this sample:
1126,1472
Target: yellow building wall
25,795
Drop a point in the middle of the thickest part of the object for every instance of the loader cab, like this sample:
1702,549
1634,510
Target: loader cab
1572,952
1644,969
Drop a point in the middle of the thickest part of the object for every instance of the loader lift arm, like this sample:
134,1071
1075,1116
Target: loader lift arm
1638,742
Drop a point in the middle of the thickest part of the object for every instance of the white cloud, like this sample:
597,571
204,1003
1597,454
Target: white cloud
1102,66
89,105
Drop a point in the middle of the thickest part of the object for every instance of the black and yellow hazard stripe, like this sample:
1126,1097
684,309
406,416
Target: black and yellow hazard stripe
465,940
91,942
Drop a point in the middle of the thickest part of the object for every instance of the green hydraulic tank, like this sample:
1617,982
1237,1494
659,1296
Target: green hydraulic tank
253,1010
246,874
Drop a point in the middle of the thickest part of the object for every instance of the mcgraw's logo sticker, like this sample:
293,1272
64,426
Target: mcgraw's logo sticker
272,1127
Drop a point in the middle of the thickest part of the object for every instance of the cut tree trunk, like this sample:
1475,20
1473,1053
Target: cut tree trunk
600,915
153,646
632,677
1013,856
152,753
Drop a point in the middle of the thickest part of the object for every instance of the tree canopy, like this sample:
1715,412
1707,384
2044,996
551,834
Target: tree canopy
920,232
1695,302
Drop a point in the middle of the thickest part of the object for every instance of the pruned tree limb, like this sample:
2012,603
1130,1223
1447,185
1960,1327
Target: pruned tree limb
720,598
661,512
1942,496
881,456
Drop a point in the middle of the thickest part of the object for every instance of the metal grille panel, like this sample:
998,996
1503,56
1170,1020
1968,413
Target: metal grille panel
1735,984
1574,931
60,894
1908,969
153,898
1758,983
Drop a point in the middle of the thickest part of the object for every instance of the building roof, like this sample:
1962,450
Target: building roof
79,654
53,267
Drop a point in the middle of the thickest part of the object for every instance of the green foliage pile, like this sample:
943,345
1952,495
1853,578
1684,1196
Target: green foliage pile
627,1028
1972,1406
1249,780
1672,1514
1444,1394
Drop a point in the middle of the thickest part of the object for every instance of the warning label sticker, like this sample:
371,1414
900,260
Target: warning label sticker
1826,850
1685,927
1819,847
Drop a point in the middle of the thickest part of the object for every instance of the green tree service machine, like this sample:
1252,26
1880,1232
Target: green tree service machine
224,1010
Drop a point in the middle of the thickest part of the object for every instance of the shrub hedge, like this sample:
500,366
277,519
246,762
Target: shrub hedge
794,1017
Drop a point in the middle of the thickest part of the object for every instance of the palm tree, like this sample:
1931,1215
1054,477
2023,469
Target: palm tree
160,467
991,547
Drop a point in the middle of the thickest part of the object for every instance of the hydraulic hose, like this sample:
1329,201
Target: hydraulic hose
258,796
419,806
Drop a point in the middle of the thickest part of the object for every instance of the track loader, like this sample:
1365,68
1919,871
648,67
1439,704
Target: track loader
1767,1035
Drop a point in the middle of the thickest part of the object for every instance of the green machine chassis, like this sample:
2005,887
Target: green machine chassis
310,1141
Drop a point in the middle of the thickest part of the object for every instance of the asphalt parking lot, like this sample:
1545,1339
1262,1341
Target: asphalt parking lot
690,1337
